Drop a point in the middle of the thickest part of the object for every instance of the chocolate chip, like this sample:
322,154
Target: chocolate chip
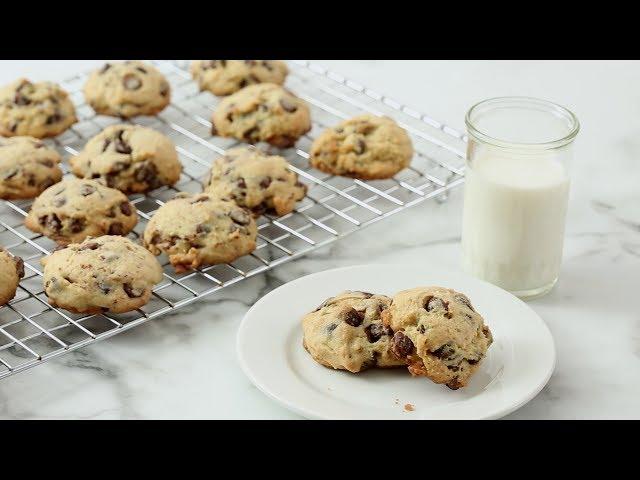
76,225
241,183
46,163
21,99
155,238
401,345
54,118
375,331
367,294
288,105
203,228
445,352
472,361
31,180
107,142
121,145
132,292
10,174
53,223
59,201
14,126
125,208
106,67
86,190
104,288
353,317
464,301
116,229
131,82
200,199
164,90
147,173
89,246
243,83
19,266
331,327
434,303
360,147
239,216
265,182
140,69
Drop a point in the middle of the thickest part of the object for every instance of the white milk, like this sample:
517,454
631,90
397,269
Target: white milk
514,216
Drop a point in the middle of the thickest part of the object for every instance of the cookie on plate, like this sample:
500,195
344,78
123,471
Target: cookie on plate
106,274
255,180
366,147
27,167
264,112
41,109
11,271
127,89
75,209
195,230
346,333
438,334
131,158
224,77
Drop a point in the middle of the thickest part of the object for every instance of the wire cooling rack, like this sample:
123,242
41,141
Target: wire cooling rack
32,331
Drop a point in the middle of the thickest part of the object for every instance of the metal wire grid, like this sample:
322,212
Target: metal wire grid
32,331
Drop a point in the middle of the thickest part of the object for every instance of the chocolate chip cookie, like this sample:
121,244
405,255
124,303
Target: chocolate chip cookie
106,274
438,334
264,112
200,230
346,333
127,89
27,167
11,271
366,147
131,158
255,180
224,77
41,109
75,209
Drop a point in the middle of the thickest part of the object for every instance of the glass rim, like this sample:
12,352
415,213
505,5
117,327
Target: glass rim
551,107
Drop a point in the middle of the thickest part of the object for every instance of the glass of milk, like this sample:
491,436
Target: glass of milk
516,192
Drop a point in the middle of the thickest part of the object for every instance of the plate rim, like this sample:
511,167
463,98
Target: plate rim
312,414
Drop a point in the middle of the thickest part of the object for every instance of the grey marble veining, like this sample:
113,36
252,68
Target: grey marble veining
184,365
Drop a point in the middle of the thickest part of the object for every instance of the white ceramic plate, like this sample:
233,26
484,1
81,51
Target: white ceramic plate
517,366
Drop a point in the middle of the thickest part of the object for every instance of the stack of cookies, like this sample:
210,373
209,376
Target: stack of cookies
90,215
435,332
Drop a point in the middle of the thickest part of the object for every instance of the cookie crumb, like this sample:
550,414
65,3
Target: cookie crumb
409,408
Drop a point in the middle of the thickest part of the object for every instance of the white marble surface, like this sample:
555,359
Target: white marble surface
184,366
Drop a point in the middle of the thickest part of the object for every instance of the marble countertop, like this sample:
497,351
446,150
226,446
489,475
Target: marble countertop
184,365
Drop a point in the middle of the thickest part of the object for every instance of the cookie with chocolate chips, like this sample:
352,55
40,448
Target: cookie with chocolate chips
438,333
40,110
366,147
346,333
264,112
106,274
131,158
11,271
195,230
224,77
27,167
127,89
260,182
75,209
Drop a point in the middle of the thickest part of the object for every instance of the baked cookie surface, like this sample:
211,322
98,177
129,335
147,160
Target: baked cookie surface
366,147
11,271
346,333
127,89
41,109
75,209
109,273
131,158
264,112
195,230
255,180
438,334
224,77
27,167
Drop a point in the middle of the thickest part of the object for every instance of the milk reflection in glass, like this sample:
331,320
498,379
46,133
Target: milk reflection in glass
515,200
